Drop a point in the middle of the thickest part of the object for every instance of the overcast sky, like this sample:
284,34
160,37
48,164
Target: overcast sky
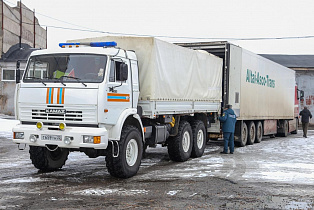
222,19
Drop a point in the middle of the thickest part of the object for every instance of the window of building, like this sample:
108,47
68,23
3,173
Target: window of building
9,74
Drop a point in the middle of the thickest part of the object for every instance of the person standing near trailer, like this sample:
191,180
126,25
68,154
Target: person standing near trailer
228,119
306,115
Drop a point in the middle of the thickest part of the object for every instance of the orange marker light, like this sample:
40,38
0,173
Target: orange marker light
97,140
106,110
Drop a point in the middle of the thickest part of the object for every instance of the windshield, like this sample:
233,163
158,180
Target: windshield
66,68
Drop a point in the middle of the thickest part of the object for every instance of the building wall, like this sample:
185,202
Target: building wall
305,82
32,33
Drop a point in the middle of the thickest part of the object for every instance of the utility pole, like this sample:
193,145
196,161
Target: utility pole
21,23
34,30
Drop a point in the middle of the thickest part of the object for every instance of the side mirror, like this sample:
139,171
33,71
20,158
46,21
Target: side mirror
123,72
18,72
301,94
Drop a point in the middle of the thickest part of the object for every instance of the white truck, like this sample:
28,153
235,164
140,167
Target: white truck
113,101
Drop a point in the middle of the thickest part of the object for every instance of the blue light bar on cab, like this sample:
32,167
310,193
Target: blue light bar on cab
103,44
92,44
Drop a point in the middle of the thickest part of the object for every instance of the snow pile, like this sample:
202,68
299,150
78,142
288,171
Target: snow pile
6,128
98,191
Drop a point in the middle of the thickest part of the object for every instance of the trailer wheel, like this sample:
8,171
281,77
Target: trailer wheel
199,138
244,134
46,160
180,146
251,133
285,128
259,132
130,154
296,127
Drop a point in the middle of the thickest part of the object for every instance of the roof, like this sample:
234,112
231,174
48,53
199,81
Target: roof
292,61
16,53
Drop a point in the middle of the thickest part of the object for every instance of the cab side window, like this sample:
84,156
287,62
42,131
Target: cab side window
112,74
115,71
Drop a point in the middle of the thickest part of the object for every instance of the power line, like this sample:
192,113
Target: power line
181,37
86,29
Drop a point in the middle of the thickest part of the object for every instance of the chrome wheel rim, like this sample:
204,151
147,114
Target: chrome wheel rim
200,139
186,141
131,152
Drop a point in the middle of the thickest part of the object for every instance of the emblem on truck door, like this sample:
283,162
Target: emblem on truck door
118,97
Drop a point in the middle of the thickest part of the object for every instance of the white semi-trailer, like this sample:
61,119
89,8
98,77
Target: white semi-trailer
113,96
263,93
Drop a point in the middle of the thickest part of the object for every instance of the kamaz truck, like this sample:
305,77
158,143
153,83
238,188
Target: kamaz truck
115,98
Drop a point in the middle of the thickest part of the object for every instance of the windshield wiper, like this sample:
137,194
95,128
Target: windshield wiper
36,78
70,77
32,78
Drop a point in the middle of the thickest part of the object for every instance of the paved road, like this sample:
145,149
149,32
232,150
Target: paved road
276,173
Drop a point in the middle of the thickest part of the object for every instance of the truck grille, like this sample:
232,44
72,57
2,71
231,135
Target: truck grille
81,114
40,114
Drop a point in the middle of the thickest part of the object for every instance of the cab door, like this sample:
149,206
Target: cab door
118,91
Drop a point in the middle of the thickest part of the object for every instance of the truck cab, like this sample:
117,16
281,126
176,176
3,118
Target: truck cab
77,98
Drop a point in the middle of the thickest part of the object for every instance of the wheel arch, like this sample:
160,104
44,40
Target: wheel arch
127,117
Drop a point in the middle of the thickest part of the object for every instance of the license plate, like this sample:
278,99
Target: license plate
51,137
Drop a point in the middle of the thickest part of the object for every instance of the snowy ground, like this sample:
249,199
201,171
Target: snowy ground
276,173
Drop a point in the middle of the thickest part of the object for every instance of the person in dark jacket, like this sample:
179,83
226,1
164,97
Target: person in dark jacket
228,119
306,115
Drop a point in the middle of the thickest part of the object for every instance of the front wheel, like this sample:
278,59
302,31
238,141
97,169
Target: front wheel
46,160
130,154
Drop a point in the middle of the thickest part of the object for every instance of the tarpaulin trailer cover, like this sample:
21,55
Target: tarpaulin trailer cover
168,72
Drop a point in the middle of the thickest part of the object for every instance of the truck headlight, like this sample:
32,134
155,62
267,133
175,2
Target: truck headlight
33,138
91,139
68,139
88,139
18,135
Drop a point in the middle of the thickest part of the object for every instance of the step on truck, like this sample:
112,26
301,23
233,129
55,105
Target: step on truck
115,96
263,93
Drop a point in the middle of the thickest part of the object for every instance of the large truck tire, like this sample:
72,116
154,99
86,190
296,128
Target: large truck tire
46,160
296,127
259,132
128,161
199,139
243,137
251,133
285,128
180,146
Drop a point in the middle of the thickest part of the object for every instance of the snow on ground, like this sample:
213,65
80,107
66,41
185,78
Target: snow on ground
275,160
6,126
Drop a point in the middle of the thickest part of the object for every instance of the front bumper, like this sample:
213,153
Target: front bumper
75,132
